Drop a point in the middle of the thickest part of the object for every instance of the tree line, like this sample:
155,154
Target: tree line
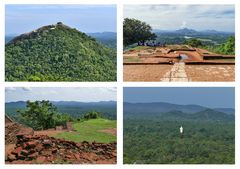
42,115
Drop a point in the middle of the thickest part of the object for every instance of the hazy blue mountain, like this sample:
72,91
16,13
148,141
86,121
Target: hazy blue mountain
174,111
208,37
186,31
8,38
212,115
160,107
75,109
225,110
191,31
205,115
107,38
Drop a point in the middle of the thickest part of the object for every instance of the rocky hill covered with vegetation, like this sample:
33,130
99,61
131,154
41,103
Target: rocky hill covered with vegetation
58,53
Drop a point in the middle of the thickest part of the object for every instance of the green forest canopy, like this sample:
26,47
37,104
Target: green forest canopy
159,142
58,53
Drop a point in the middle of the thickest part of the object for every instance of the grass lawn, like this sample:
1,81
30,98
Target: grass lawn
90,131
137,48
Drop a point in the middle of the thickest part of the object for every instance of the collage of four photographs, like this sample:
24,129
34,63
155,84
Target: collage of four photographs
79,43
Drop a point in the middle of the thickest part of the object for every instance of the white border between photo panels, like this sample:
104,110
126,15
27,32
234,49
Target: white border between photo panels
2,95
120,84
237,84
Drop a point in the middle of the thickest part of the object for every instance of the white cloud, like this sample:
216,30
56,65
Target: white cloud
170,17
10,89
26,88
184,25
112,89
83,94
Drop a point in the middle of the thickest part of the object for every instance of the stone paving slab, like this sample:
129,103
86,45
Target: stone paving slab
176,74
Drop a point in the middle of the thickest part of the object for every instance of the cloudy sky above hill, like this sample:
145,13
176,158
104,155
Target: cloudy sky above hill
82,94
173,17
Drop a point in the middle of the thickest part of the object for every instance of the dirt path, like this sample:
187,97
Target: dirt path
51,132
176,74
112,131
48,132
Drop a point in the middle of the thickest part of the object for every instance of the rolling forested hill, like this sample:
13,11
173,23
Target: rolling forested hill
208,37
156,109
107,38
58,53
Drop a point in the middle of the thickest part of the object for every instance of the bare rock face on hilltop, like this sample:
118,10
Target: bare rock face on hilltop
48,150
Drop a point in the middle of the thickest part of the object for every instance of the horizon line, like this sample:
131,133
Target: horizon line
198,30
176,104
61,101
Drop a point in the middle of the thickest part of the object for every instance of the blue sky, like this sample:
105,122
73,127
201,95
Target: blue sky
86,18
217,97
173,17
82,94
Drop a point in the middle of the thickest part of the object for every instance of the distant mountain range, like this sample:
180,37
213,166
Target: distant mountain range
205,115
207,37
101,35
73,108
168,111
107,38
188,31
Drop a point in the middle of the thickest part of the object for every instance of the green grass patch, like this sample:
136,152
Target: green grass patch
133,60
232,60
90,131
141,48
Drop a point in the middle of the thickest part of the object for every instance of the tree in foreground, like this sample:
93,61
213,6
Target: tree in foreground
41,115
229,46
135,31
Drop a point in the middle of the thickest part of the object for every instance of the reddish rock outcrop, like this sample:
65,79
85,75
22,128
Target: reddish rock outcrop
13,129
48,150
